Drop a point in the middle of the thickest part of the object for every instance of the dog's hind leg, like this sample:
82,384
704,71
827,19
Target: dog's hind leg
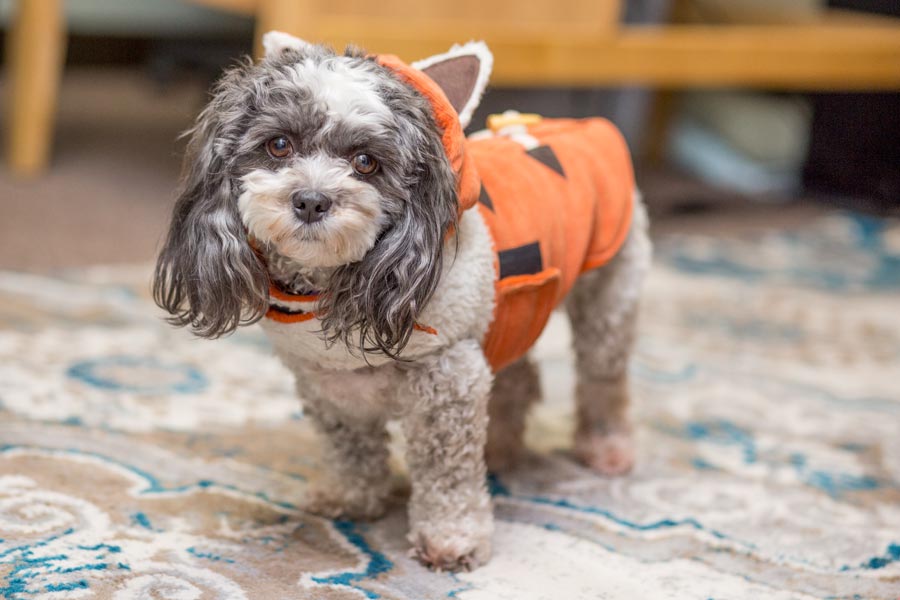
515,389
603,308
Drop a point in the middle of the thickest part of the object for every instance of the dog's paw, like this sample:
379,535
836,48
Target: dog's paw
452,549
335,502
608,454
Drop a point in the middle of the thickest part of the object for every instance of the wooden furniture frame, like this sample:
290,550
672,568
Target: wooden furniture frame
35,52
559,42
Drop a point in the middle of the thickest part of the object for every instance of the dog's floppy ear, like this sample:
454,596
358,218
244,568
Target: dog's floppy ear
276,43
377,300
463,74
207,275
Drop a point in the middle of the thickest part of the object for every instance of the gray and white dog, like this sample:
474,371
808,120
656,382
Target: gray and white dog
321,198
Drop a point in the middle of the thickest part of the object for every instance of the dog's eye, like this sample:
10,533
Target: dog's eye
364,164
279,147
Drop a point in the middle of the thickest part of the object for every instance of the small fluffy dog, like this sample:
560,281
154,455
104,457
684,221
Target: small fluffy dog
402,271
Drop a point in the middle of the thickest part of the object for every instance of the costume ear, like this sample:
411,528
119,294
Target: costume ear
276,43
463,74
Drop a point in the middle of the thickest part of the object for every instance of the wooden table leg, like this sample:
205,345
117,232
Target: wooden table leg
655,142
35,55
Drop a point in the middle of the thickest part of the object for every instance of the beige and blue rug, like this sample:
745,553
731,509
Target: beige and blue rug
137,462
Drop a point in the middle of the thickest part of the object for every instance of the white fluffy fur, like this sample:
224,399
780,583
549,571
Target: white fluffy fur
440,391
350,95
486,64
461,308
344,236
603,308
441,398
346,91
276,42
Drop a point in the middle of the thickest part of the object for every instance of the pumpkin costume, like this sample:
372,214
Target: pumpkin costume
555,208
554,212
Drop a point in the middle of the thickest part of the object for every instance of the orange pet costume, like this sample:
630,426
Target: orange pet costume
554,211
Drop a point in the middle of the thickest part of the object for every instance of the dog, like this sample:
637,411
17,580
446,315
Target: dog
402,271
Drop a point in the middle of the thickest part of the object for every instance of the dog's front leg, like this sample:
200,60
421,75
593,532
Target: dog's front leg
450,515
358,479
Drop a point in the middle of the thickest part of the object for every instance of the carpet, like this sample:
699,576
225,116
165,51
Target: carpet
137,462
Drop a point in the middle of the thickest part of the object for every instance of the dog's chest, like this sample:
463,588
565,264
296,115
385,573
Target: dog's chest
461,308
296,332
365,394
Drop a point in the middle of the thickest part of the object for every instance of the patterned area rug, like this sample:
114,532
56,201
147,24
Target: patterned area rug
137,462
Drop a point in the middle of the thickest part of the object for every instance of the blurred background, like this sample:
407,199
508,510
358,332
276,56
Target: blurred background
739,112
765,135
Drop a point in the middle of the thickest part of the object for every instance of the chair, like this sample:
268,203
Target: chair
547,42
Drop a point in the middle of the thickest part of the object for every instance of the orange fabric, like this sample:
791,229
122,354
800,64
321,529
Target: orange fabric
454,140
282,314
276,292
285,317
579,219
286,310
425,329
524,303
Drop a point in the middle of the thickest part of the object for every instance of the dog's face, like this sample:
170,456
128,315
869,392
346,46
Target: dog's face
324,161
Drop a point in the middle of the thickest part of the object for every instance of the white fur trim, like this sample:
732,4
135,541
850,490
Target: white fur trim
276,42
517,133
486,63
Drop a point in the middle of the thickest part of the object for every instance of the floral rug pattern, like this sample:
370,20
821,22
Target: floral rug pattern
137,462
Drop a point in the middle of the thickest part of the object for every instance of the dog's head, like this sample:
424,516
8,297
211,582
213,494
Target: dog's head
327,162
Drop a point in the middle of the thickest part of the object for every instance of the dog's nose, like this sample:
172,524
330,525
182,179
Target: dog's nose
311,206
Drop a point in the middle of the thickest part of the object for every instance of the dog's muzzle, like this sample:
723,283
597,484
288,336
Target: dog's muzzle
310,207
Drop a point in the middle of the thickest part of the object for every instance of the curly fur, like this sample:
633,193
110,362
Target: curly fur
382,261
383,250
379,298
207,276
450,510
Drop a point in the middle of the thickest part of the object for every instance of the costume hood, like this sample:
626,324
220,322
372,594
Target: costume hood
447,118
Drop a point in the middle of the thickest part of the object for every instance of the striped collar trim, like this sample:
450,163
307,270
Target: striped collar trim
283,314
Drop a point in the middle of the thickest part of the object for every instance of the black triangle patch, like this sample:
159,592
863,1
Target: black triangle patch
485,199
546,156
521,260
